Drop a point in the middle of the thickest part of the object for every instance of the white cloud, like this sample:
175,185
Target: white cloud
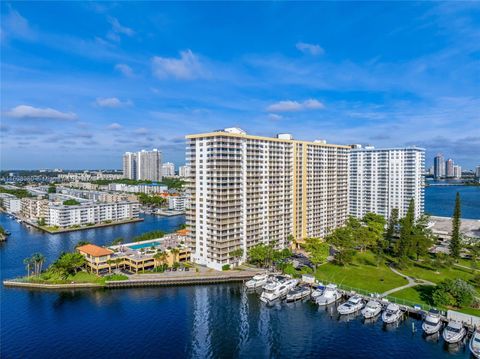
25,111
292,106
311,49
16,25
124,69
120,29
274,116
187,67
111,102
114,126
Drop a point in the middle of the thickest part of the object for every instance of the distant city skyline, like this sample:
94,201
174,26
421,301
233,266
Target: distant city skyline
79,90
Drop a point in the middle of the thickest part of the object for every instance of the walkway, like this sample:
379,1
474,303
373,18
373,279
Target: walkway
465,267
411,282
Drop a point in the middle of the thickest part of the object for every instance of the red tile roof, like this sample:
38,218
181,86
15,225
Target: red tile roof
93,250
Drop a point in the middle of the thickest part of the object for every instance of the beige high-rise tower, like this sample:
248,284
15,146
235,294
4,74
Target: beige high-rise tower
245,190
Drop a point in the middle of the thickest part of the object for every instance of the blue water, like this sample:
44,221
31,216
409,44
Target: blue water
218,321
440,200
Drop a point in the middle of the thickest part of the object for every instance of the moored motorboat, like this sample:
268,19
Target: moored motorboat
391,314
474,344
372,309
433,322
454,332
317,291
298,293
277,289
257,281
354,304
330,295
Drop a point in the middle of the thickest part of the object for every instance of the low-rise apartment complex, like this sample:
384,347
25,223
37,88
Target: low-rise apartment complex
10,203
245,190
91,213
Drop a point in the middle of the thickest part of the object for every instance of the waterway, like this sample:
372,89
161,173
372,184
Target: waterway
216,321
440,200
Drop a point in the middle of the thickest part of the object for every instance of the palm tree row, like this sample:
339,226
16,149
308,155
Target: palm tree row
34,264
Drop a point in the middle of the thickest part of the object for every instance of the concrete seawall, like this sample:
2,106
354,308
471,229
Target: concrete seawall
147,281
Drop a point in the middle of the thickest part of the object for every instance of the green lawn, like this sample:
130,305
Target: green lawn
422,295
363,273
52,278
440,274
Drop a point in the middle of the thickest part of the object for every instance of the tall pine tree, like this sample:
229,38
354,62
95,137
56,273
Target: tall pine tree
455,242
390,232
405,243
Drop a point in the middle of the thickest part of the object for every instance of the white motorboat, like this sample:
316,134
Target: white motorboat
372,309
353,305
277,290
475,344
392,314
257,281
330,295
432,323
298,293
317,291
453,332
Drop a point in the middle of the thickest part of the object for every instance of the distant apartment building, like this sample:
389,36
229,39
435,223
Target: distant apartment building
439,166
177,203
130,165
457,171
139,188
143,165
384,179
184,171
245,190
477,172
34,208
88,176
449,168
10,203
168,169
65,216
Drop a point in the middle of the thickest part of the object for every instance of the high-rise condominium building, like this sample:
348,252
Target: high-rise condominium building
449,168
457,171
168,169
245,190
383,179
143,165
130,165
477,171
184,171
439,166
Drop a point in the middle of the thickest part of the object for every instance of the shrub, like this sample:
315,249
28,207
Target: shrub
344,256
454,293
226,267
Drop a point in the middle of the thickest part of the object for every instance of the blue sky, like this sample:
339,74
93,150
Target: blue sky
84,82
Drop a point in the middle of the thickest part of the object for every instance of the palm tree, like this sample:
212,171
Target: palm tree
38,260
160,257
110,262
174,252
28,265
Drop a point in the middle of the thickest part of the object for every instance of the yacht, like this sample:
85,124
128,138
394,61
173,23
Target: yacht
298,293
353,305
433,322
392,314
317,291
330,295
372,309
453,332
475,344
277,290
257,281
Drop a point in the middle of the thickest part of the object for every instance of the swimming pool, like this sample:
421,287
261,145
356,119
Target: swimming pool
144,245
